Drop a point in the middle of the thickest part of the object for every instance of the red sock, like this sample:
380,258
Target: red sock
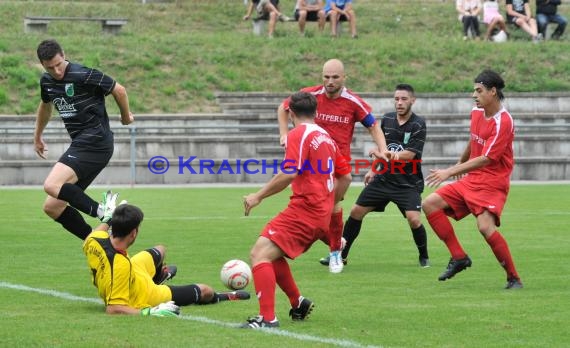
264,280
501,250
285,280
444,230
335,231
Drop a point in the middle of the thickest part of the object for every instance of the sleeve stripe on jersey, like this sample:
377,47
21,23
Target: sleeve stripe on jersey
346,94
305,134
498,127
310,128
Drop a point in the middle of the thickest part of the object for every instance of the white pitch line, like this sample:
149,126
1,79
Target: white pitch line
370,216
54,293
277,332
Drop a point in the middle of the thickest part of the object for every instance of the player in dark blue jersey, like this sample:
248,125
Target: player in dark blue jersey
78,93
399,181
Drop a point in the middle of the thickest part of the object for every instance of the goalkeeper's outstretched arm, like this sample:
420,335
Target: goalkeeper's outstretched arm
167,309
121,309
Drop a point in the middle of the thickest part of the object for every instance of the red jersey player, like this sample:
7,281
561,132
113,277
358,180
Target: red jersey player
338,110
488,162
309,167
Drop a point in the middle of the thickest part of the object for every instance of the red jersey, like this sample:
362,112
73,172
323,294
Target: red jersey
312,152
492,137
338,116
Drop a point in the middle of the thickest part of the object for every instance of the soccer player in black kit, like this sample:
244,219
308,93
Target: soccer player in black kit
405,134
78,93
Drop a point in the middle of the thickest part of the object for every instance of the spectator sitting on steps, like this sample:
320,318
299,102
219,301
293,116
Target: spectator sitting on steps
546,13
311,10
518,13
266,10
338,10
493,18
469,15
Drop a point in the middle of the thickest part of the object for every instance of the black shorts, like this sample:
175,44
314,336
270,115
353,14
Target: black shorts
86,163
341,18
379,193
312,16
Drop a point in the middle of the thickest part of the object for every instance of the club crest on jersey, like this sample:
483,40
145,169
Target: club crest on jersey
69,90
395,147
407,136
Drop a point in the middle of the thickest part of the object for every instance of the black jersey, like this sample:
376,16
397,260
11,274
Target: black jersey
410,136
80,100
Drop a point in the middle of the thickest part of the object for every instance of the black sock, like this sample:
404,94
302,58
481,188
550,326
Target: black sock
72,221
218,297
75,196
420,238
350,232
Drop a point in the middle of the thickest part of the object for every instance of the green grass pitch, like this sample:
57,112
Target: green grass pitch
382,298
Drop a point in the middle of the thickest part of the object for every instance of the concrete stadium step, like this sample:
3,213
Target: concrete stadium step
172,146
180,123
426,103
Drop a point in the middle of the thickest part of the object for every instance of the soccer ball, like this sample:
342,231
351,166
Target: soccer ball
235,274
501,36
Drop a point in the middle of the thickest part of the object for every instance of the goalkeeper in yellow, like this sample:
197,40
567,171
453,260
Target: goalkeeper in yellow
134,285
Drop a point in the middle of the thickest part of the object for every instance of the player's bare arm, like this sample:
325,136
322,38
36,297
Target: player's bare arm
464,158
102,227
249,11
378,136
166,309
386,155
277,184
42,119
405,155
466,154
283,119
120,94
121,309
369,176
437,176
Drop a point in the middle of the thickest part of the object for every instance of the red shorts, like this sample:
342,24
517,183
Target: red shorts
464,199
293,233
342,166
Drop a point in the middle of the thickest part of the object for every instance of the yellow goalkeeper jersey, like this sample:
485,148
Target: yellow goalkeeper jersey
122,280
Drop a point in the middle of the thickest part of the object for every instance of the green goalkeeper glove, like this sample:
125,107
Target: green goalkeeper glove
167,309
108,205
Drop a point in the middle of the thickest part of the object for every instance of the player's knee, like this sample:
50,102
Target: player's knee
52,187
486,229
414,222
53,208
207,293
429,205
358,212
49,210
162,250
254,256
